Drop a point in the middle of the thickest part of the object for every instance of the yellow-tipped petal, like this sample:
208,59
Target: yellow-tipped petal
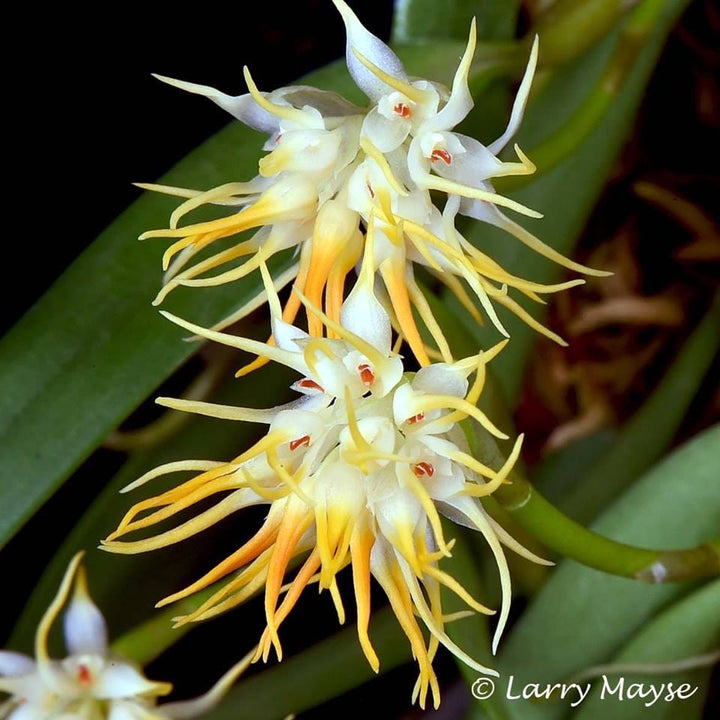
435,182
410,91
43,630
282,111
361,545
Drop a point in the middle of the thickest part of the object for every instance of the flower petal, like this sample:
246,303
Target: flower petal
328,104
84,625
120,679
371,47
518,109
14,664
385,133
363,315
470,167
241,107
441,379
460,102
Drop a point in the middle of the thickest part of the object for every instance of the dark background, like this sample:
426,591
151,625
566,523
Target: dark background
88,119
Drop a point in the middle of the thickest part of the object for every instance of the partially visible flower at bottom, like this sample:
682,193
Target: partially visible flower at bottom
91,683
357,481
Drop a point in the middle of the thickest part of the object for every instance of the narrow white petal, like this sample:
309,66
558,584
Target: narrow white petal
521,98
373,49
460,102
470,509
363,315
84,625
241,107
510,542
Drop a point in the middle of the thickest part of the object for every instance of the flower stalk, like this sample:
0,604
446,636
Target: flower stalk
563,535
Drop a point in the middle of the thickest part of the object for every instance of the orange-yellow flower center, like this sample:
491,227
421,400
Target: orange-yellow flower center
402,110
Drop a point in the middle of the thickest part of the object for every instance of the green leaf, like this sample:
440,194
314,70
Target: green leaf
92,348
417,20
321,673
646,435
567,193
675,504
688,628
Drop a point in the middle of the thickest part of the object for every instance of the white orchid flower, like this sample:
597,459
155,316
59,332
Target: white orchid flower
358,479
91,683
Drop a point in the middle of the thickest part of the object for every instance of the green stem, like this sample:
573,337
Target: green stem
562,143
563,535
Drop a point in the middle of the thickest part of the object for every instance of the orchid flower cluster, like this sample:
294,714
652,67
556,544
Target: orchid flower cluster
337,175
360,467
91,683
356,471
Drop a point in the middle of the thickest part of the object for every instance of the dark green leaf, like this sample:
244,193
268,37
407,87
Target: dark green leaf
564,469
